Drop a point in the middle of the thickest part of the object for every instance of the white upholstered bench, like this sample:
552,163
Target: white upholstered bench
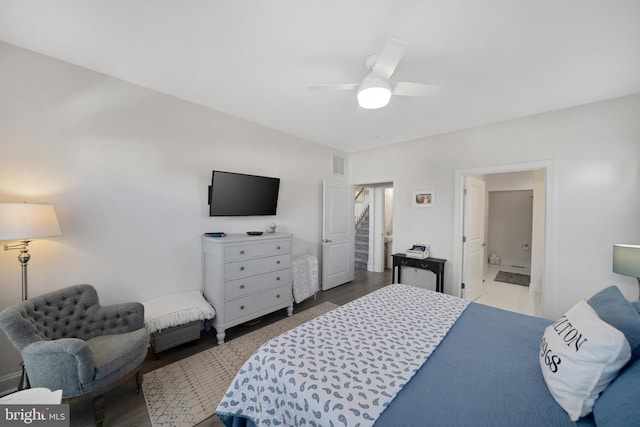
176,319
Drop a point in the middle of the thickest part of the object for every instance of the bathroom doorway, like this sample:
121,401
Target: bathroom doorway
543,224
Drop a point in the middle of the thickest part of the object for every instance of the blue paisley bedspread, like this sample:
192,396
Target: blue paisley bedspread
346,366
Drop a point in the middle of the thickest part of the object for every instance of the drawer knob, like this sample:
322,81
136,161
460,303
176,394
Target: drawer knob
278,296
278,248
242,307
241,286
278,262
278,278
241,268
242,252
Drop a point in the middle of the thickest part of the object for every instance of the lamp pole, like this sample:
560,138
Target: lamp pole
24,258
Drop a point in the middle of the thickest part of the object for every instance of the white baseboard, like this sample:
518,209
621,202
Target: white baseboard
9,383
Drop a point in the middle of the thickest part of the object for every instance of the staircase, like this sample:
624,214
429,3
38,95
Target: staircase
362,243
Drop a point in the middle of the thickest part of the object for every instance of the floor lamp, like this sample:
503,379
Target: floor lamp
26,221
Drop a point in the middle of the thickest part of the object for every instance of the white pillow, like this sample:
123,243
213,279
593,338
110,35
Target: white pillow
580,355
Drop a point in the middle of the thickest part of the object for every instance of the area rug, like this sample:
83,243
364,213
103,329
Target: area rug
513,278
187,392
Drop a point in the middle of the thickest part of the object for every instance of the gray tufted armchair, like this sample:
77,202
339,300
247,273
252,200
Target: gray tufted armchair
69,342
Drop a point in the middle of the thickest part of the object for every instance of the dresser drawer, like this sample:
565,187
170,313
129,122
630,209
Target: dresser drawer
250,250
254,303
251,267
248,285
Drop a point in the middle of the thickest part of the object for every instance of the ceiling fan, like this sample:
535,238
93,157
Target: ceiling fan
375,90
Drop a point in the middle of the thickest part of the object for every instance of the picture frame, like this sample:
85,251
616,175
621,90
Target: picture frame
423,199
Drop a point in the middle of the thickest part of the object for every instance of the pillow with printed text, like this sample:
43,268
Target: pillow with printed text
579,356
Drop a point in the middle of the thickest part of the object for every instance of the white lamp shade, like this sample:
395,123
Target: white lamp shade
374,93
23,221
626,260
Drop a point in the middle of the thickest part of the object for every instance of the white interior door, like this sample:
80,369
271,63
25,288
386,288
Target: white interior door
473,237
338,234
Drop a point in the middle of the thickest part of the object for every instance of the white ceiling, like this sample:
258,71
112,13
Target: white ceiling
254,59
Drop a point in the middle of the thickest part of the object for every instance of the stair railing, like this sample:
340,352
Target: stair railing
361,205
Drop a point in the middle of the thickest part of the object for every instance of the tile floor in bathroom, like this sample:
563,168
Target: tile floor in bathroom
507,296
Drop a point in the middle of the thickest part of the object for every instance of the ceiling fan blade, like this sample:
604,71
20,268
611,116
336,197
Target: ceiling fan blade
389,58
416,89
335,86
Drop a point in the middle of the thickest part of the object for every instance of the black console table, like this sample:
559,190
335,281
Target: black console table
435,265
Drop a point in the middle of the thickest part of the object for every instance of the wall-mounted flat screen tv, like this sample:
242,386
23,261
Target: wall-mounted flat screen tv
236,194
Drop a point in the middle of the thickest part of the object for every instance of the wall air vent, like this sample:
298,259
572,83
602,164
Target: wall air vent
337,167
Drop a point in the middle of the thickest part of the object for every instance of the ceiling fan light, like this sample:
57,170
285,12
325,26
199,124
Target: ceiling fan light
372,95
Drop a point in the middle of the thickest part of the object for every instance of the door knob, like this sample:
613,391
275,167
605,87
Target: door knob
326,241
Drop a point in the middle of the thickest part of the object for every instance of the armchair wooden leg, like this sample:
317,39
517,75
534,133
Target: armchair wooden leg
98,410
24,379
138,381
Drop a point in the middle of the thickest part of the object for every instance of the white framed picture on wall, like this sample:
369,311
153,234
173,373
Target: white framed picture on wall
424,199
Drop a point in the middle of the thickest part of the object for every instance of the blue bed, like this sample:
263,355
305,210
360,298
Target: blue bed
485,372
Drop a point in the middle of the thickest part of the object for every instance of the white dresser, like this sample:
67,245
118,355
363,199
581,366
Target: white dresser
245,277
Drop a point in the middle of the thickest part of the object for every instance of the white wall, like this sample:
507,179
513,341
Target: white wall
595,150
127,170
509,181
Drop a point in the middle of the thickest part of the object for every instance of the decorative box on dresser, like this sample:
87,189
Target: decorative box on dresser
245,277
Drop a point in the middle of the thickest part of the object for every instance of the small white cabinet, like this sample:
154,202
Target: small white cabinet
245,277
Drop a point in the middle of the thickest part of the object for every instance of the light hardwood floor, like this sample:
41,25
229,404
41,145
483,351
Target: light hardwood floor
126,408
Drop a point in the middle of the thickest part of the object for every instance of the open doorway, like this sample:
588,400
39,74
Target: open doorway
511,230
543,223
374,226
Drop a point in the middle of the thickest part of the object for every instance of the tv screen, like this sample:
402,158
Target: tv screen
236,194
